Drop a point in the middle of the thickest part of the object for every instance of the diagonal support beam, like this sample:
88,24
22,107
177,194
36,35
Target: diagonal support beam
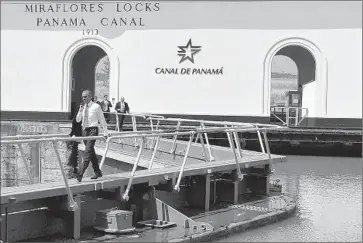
177,185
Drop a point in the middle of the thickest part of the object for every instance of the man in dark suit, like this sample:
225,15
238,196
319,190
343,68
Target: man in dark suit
122,107
76,131
106,105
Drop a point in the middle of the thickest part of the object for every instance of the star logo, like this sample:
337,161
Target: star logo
187,52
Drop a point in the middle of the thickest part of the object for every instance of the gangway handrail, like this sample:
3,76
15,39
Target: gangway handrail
137,134
211,122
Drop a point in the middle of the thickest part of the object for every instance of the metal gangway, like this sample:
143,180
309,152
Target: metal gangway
152,138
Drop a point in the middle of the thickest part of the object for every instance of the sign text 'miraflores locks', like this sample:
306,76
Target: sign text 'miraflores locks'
91,7
60,20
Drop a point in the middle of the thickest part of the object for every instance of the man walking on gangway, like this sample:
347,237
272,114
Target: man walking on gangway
90,113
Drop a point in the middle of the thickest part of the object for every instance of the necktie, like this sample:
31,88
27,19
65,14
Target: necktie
85,117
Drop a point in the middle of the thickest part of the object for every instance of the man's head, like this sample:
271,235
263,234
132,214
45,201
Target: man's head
122,99
105,97
87,96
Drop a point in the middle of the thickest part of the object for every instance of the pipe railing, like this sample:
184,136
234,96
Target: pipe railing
134,122
202,124
230,131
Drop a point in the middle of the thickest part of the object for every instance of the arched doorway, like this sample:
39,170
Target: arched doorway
288,85
83,73
311,74
79,66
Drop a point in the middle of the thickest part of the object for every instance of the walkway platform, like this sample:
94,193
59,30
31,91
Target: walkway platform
163,168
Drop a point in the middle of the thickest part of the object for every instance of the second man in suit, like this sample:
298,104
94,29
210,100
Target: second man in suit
122,107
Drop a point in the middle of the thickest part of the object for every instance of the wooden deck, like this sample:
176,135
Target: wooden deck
165,165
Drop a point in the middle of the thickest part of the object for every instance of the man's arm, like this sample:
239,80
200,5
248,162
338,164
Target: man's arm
79,116
101,119
127,108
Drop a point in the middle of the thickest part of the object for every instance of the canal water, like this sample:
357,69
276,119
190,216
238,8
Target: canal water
328,192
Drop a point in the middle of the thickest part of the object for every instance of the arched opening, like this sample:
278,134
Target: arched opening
288,85
311,74
69,68
83,73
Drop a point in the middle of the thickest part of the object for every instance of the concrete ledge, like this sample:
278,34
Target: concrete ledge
233,228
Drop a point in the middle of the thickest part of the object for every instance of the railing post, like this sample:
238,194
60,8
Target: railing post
260,140
154,152
240,176
105,153
175,137
211,158
206,157
156,128
134,128
268,151
126,194
177,187
71,203
288,116
151,124
117,122
26,163
236,138
297,116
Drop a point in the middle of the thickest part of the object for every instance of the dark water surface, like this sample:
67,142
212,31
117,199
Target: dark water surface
328,192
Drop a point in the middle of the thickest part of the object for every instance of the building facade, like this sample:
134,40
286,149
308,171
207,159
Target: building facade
209,60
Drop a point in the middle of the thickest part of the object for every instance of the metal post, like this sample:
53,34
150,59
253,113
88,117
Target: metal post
236,139
268,151
104,153
117,122
154,138
206,157
154,153
207,192
211,158
26,163
177,187
72,204
126,194
240,176
134,128
175,137
151,124
260,140
118,127
296,116
288,116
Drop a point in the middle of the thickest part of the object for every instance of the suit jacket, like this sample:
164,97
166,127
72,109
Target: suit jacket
118,107
76,128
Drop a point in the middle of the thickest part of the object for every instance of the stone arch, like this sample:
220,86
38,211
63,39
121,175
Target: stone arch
320,73
67,68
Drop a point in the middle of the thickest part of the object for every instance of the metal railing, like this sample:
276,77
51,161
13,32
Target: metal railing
289,115
133,120
230,128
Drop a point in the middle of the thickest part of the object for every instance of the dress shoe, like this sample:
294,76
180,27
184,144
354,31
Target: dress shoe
96,176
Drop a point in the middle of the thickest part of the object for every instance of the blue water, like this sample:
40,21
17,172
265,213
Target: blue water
328,192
